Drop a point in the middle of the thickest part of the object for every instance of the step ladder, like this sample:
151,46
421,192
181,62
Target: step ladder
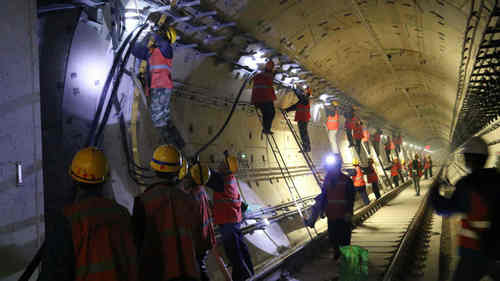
287,177
307,158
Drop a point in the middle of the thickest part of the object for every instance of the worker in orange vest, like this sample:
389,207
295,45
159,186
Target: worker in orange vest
302,116
366,138
350,122
165,223
476,196
91,238
228,214
388,147
398,141
376,141
395,171
332,125
263,96
359,182
373,178
157,50
337,201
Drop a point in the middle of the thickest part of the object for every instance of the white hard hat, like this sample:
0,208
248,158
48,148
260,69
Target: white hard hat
475,145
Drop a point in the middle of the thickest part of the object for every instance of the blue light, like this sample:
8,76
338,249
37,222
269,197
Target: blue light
330,160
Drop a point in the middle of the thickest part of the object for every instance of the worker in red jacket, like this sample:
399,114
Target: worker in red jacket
388,147
332,125
398,141
263,96
350,121
376,141
373,178
357,134
366,138
395,171
427,166
302,116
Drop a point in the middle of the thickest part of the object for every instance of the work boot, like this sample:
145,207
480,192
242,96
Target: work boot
267,132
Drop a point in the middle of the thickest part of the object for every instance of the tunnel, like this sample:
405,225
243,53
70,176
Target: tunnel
424,71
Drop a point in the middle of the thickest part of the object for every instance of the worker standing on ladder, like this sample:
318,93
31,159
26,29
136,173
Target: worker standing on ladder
302,116
376,141
398,141
165,222
359,182
337,201
387,146
332,125
373,178
227,211
366,138
350,121
263,96
91,238
157,50
357,134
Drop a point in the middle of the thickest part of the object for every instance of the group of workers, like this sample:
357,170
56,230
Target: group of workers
167,237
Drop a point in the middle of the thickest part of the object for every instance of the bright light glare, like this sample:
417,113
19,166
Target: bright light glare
266,221
323,97
315,110
330,160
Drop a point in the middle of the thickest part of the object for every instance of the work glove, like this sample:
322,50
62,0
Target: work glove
244,207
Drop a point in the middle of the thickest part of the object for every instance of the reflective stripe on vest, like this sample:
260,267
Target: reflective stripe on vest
480,224
160,66
227,204
332,124
474,223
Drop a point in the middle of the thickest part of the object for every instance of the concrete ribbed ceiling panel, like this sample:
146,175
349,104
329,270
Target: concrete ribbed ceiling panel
398,58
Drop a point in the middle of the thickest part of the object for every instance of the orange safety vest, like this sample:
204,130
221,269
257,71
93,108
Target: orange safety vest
358,179
336,195
168,250
332,124
161,70
366,134
227,204
395,170
475,222
372,176
427,164
376,137
263,90
102,239
388,145
303,112
357,131
204,225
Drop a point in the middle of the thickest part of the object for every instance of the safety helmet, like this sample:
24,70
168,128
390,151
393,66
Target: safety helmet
231,164
403,161
355,162
171,34
199,173
335,103
89,165
269,65
166,159
475,145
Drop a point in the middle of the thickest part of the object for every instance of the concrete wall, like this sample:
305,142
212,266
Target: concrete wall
21,215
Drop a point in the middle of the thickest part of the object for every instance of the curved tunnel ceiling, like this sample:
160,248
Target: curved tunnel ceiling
397,58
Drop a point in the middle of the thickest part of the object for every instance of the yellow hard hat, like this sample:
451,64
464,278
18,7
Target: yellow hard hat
166,159
200,178
232,164
171,34
184,169
335,103
355,162
89,166
403,161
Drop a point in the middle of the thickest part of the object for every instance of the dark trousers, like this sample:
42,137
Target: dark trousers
430,171
395,179
398,149
475,267
339,234
202,262
388,154
364,196
416,183
304,136
348,133
236,251
426,173
268,112
357,146
376,189
376,147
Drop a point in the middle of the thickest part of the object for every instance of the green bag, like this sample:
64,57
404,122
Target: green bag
353,263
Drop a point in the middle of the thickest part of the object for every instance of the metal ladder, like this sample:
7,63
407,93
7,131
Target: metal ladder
307,158
287,177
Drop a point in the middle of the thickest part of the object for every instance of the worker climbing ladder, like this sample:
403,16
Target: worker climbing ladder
307,158
287,177
381,166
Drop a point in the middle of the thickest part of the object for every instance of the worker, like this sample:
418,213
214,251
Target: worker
376,141
302,116
387,146
91,238
263,96
373,178
159,55
357,134
350,121
416,172
165,222
427,165
337,201
359,182
395,171
366,138
404,170
398,141
332,125
476,196
227,211
429,158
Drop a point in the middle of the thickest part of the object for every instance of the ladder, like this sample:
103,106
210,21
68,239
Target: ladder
287,177
307,158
